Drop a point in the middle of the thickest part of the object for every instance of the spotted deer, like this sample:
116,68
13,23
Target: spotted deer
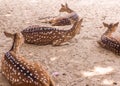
19,71
48,35
108,41
65,20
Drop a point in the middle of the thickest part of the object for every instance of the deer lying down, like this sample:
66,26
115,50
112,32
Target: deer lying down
107,41
19,71
48,35
66,20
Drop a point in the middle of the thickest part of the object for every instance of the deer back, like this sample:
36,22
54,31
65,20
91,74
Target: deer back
20,72
42,35
61,21
111,43
66,20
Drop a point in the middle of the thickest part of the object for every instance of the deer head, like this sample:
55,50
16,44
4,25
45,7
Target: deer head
65,8
111,28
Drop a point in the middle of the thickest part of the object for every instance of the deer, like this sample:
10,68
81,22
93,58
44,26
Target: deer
48,35
65,20
108,41
18,70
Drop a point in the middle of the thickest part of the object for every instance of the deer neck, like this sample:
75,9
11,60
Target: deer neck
69,10
73,31
108,33
15,47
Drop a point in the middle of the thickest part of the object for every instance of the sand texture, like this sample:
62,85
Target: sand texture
81,61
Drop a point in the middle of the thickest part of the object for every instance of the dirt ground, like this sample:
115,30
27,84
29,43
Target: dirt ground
82,62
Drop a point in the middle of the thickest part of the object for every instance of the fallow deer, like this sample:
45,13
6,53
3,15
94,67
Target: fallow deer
65,20
48,35
108,41
19,71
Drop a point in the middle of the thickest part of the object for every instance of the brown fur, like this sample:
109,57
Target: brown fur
19,71
107,41
48,35
66,20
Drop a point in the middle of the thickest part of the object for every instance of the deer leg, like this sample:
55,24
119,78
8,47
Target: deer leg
54,23
100,43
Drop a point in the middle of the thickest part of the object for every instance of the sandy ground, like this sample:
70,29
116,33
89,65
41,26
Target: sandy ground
80,63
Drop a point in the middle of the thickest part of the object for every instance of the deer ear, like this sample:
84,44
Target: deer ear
116,24
105,24
62,5
81,19
7,34
66,5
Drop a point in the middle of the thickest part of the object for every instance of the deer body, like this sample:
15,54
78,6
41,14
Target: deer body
65,20
20,72
108,42
47,35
